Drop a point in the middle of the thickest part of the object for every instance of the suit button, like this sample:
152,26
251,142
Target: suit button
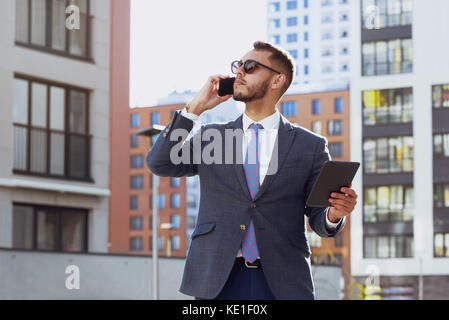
253,205
242,227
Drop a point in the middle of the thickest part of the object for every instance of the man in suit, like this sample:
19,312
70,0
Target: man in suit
250,238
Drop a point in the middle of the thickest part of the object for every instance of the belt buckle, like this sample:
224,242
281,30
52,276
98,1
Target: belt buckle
251,267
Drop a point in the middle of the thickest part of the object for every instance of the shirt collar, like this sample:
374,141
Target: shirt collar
270,122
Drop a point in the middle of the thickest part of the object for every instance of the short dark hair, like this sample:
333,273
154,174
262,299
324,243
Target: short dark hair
281,58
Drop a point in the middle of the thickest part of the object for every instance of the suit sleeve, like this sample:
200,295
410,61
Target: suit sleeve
159,156
317,215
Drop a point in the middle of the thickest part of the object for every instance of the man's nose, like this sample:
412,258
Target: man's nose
241,71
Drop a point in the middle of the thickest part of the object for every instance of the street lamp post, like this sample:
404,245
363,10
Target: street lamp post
150,132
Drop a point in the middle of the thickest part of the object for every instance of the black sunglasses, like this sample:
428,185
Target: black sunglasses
249,66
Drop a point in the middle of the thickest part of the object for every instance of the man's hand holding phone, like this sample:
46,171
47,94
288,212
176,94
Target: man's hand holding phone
208,97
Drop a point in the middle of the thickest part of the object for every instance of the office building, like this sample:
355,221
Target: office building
399,125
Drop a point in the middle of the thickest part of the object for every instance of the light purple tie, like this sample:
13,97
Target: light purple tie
251,167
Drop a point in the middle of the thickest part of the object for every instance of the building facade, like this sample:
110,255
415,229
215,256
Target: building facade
54,181
171,192
317,35
399,125
326,113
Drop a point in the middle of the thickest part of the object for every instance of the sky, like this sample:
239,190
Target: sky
178,44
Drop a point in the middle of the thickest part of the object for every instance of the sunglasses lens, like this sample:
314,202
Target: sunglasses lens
235,66
250,65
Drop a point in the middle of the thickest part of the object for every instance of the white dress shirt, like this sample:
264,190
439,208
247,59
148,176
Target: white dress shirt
267,139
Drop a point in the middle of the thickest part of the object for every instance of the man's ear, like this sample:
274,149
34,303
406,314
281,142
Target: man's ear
278,81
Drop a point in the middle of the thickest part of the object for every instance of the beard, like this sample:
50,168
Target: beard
254,92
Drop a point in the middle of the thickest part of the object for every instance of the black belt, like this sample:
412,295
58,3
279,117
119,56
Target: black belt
240,261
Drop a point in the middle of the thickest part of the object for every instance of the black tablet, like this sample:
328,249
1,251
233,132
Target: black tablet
333,176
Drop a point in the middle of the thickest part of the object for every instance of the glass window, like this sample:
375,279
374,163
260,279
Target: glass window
335,127
48,132
336,150
384,155
22,227
439,245
289,108
370,250
306,69
383,247
292,37
175,182
134,141
155,118
161,201
42,23
47,223
176,200
275,6
292,21
160,243
292,5
136,244
20,101
136,223
55,229
317,127
135,120
39,105
58,34
175,221
137,161
316,106
368,58
338,105
175,242
134,202
137,182
306,53
73,231
306,4
306,36
388,203
440,96
306,20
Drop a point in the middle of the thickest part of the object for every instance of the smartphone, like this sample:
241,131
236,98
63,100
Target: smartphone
226,86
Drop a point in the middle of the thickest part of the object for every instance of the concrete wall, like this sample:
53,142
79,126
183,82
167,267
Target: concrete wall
42,276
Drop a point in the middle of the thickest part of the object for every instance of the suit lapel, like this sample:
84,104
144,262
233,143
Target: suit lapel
286,135
238,167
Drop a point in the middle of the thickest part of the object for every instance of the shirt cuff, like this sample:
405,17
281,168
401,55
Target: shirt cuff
189,115
331,225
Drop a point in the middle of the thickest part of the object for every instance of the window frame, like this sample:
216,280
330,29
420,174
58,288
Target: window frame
48,34
59,213
48,131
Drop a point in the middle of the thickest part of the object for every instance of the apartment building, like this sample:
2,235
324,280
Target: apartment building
317,35
399,125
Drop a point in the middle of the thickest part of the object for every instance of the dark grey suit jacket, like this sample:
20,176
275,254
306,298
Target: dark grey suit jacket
278,210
